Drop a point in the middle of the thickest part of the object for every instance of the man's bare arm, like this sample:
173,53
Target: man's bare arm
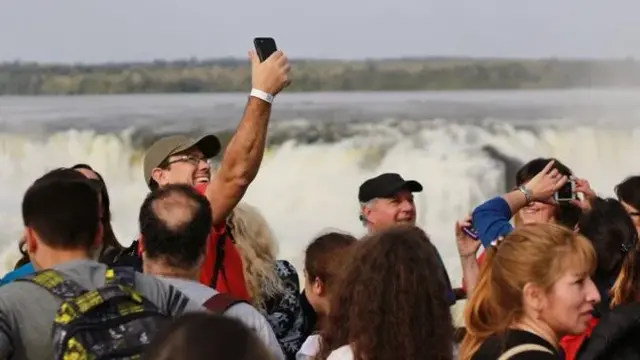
241,160
243,155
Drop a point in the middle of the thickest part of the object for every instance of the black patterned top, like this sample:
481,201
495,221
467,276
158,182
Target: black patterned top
284,312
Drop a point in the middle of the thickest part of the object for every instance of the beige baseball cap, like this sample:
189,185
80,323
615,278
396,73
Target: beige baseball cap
171,145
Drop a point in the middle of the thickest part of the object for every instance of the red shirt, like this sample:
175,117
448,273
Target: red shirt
571,343
231,277
231,280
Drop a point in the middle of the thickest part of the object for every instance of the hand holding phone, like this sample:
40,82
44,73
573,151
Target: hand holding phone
265,47
269,69
467,238
567,192
471,232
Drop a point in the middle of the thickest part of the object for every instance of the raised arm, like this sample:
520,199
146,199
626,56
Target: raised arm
243,155
491,219
467,249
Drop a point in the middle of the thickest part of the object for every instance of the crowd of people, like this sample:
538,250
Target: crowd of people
557,278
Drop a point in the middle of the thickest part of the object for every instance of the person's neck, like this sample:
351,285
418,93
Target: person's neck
538,328
50,258
321,322
171,272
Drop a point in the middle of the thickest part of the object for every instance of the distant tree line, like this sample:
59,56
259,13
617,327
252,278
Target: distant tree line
229,75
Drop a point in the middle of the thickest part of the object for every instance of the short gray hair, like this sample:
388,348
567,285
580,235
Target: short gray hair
368,204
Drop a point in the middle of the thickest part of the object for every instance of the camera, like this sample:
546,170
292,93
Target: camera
566,192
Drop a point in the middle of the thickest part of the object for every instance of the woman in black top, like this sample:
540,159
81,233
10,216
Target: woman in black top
496,345
534,288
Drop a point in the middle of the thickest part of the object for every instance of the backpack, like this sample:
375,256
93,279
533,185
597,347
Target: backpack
219,303
110,322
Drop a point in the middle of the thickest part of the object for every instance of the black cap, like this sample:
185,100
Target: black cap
385,186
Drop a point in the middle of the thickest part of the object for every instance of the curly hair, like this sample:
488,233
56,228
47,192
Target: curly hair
258,249
389,304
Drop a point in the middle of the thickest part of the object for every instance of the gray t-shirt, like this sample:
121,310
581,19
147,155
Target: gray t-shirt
27,311
242,311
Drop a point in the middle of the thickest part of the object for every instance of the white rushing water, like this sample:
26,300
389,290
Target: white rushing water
306,188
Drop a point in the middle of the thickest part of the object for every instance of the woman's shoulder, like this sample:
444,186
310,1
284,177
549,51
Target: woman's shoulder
310,348
341,353
523,345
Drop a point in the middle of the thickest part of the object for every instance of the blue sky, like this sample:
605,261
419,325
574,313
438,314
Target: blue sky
119,30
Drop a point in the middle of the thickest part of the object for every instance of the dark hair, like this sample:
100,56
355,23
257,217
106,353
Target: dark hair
175,222
153,184
109,239
325,256
200,336
389,304
25,256
62,207
611,232
629,191
566,214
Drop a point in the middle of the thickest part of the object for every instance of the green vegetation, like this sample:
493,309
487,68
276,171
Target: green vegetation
228,75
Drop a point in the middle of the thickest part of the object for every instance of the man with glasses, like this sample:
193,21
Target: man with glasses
182,160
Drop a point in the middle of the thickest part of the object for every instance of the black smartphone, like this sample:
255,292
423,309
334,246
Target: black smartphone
265,46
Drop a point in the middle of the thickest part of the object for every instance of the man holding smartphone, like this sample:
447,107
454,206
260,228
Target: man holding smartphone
181,160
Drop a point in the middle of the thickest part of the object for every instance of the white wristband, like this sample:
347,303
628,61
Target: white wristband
262,95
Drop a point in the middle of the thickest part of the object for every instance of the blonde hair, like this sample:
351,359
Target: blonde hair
258,250
534,253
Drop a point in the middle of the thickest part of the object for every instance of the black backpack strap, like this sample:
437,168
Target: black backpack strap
55,283
217,267
128,257
219,303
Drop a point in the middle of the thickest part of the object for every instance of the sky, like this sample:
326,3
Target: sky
95,31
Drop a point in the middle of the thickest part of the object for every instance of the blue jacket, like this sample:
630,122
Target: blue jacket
17,273
491,220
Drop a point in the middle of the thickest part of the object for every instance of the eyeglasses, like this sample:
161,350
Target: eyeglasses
191,159
634,213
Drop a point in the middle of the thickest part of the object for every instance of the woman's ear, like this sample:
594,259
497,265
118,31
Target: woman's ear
533,298
317,287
